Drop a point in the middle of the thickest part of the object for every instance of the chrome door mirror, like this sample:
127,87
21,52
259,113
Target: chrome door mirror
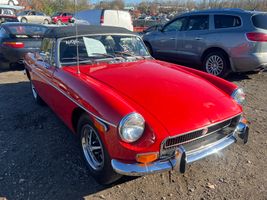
38,56
44,56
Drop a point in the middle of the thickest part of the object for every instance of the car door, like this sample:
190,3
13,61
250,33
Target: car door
64,95
31,16
40,17
194,41
45,67
64,18
167,43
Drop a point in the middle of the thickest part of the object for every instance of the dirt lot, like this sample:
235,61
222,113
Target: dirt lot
40,159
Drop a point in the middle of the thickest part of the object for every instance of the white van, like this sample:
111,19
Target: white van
119,18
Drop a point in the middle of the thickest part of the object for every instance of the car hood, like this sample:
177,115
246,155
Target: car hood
180,101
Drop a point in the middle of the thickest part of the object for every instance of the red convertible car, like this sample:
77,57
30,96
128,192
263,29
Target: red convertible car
134,115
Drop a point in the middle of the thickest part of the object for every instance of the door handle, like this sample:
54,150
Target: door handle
198,38
172,38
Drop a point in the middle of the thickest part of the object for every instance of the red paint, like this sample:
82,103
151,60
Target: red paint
171,98
63,18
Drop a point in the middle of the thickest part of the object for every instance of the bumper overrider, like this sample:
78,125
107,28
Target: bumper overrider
183,157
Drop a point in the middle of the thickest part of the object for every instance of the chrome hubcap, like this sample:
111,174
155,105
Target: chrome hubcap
214,65
92,148
34,93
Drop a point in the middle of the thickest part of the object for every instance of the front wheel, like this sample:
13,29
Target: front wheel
11,3
24,20
216,63
94,152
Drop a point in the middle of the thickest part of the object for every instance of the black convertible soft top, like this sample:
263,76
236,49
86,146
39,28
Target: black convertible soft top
68,31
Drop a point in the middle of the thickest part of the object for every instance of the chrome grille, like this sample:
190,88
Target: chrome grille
205,132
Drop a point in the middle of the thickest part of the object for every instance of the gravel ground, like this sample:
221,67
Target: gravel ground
40,158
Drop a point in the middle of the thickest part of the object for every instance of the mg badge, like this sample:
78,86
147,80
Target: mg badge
205,131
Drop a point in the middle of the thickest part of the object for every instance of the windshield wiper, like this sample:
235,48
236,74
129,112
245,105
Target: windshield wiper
129,54
103,55
74,60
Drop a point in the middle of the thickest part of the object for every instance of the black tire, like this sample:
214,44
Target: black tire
11,3
216,63
99,167
149,48
46,21
24,20
36,96
59,22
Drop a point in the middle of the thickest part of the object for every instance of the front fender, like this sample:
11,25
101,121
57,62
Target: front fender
220,83
105,103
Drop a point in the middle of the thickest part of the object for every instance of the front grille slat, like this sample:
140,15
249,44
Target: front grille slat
195,135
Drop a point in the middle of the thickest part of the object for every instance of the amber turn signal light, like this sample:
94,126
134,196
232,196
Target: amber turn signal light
244,120
147,157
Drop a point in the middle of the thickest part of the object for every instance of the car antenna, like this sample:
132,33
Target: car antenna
77,41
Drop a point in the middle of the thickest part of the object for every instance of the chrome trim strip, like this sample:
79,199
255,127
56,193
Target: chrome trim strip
192,156
81,106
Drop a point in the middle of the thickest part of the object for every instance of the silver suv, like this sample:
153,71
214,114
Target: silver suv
220,41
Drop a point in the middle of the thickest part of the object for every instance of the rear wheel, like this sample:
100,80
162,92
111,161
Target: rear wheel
216,63
35,95
46,21
59,22
94,152
11,3
24,20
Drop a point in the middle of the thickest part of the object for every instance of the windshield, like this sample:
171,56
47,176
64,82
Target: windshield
56,14
101,47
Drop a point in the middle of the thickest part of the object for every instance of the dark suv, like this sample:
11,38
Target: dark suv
221,41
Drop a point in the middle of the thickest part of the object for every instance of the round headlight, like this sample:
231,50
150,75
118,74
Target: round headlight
131,127
239,95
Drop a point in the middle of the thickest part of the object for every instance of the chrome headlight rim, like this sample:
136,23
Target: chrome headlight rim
124,120
236,94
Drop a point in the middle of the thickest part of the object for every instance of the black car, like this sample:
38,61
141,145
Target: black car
16,39
8,18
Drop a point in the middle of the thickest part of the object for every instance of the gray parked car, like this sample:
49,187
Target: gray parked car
220,41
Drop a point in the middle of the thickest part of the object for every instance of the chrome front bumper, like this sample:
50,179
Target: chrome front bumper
182,157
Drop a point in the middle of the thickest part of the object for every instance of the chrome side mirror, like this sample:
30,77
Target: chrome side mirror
44,56
38,56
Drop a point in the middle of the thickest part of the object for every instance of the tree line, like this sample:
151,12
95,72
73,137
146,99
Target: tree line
51,6
145,6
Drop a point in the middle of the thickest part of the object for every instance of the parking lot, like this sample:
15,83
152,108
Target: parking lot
40,158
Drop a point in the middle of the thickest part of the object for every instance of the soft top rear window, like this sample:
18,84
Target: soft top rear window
260,21
29,30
